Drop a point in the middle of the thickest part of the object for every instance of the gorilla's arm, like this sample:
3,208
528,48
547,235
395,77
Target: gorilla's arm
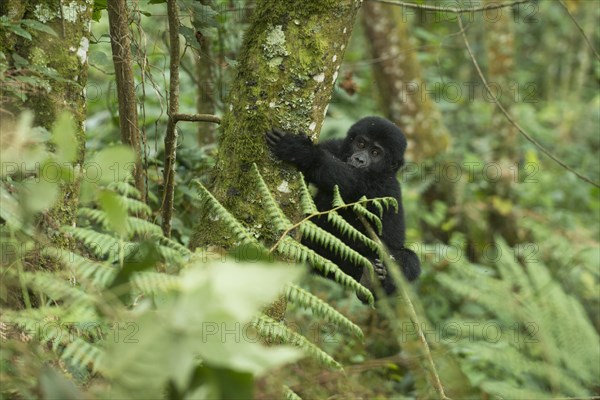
318,162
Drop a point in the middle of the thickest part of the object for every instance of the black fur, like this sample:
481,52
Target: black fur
363,164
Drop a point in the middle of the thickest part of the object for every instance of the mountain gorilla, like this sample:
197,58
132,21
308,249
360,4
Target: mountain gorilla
363,164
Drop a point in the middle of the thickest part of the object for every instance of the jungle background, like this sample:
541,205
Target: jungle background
132,266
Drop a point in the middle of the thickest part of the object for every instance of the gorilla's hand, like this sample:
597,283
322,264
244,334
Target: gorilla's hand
289,147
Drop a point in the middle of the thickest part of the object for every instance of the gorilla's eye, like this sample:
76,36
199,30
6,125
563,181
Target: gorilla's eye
375,152
361,144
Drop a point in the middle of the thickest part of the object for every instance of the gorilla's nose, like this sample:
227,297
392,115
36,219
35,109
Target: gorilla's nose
359,160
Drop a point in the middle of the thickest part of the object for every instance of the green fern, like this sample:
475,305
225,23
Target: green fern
135,207
302,298
125,189
547,348
290,394
99,274
333,243
290,248
82,354
351,232
155,283
240,232
273,210
359,209
101,245
274,330
306,201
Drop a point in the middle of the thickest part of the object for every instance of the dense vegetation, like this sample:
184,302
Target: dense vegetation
108,305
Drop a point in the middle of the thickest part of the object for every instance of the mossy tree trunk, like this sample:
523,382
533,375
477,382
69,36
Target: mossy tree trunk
66,54
287,67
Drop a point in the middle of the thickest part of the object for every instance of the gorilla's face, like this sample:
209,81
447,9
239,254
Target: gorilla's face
374,144
364,153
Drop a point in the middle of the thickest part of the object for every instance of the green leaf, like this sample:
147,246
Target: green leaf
37,25
39,194
204,319
63,136
225,383
116,214
20,31
190,36
19,61
114,164
56,386
10,211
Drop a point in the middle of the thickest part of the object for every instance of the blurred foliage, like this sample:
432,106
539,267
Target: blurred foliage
106,307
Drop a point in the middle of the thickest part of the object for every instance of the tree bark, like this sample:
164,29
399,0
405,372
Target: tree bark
205,100
65,53
287,67
120,41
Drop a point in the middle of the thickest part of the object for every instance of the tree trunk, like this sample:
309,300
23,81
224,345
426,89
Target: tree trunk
205,100
120,40
66,53
287,68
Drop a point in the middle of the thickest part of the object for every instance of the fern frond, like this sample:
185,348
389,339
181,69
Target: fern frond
290,248
95,215
31,320
240,232
553,347
306,201
54,287
81,353
378,205
319,235
301,297
337,200
135,225
135,207
362,210
351,232
100,244
124,188
289,394
272,329
98,273
274,212
172,244
155,283
387,202
142,227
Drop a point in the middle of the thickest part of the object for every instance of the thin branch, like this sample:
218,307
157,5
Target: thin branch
196,118
510,119
409,307
454,10
171,135
589,43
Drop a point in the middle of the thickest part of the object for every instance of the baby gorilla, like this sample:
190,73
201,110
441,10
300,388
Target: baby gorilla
363,164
